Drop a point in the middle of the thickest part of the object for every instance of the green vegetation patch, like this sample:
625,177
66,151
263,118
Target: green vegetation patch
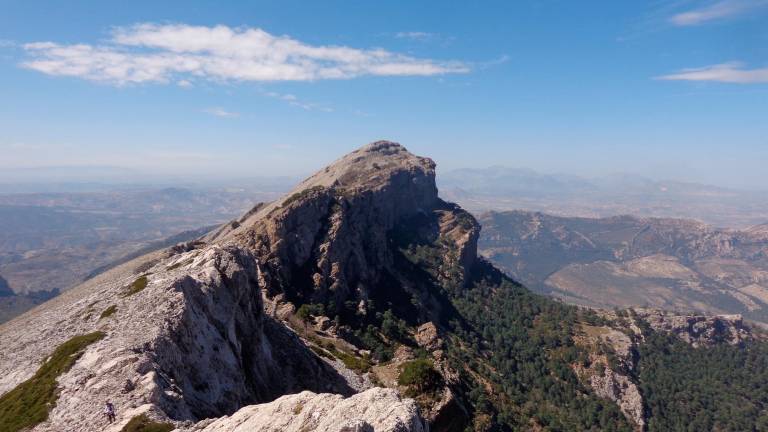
719,388
321,352
137,286
142,423
358,364
302,194
355,363
298,408
307,310
29,403
420,375
108,312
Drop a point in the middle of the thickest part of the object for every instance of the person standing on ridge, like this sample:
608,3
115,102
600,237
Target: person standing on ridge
109,410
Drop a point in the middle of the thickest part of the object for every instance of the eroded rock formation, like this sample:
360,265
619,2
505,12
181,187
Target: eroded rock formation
372,410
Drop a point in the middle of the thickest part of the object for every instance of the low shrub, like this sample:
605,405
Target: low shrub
108,312
137,286
419,375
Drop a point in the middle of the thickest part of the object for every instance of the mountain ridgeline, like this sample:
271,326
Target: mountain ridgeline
363,283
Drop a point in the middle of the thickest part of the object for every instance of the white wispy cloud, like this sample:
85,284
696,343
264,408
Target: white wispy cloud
291,99
416,35
18,145
154,53
221,112
282,96
716,11
733,72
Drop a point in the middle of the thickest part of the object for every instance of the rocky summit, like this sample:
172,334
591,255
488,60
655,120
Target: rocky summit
357,303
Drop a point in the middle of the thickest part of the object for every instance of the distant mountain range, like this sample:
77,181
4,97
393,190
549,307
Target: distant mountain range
675,264
501,188
52,241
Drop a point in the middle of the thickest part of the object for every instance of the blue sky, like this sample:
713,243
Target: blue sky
673,89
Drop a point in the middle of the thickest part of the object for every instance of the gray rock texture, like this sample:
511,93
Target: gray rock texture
377,409
699,330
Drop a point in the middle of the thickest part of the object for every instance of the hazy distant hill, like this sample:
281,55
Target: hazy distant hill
52,241
627,261
500,188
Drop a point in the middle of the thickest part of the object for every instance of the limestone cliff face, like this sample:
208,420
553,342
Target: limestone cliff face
613,382
330,240
699,330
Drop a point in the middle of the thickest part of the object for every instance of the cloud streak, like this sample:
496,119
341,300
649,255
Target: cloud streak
153,53
733,72
294,101
415,35
717,11
221,112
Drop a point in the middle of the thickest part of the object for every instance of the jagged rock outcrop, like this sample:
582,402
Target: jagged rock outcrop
613,382
622,390
427,337
377,409
698,330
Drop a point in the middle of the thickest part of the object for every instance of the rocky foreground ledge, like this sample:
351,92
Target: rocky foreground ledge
376,409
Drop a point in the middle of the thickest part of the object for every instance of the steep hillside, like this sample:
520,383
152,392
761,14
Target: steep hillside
5,290
294,316
674,264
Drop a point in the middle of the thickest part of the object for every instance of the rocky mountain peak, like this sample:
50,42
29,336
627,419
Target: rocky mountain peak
331,239
373,166
381,170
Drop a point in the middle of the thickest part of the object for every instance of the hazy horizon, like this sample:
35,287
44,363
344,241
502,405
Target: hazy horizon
73,178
